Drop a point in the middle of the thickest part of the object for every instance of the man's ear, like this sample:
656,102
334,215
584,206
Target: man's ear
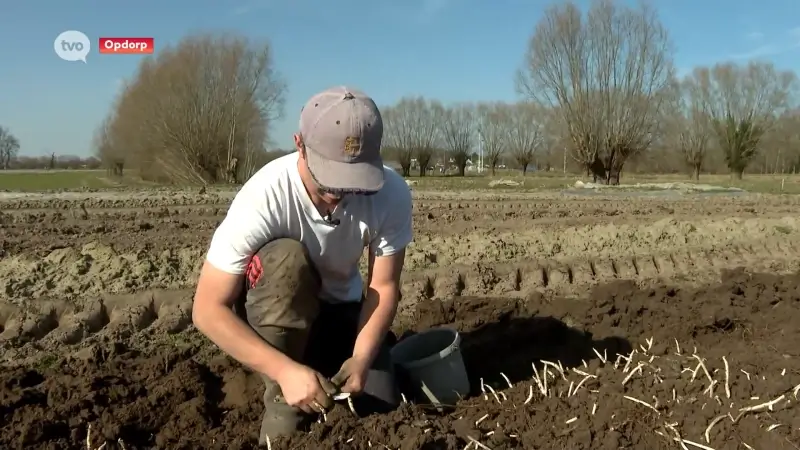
298,144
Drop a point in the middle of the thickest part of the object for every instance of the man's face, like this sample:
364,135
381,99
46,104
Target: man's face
331,198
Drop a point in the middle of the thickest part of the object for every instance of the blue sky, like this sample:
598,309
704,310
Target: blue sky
448,49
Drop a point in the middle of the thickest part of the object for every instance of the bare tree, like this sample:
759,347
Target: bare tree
779,147
198,112
457,128
396,142
410,131
493,129
111,154
607,76
426,151
784,140
556,141
9,148
743,103
688,127
526,133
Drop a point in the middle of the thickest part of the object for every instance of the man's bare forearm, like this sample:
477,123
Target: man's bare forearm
223,327
377,314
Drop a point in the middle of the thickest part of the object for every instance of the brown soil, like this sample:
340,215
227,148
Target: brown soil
183,395
133,222
120,247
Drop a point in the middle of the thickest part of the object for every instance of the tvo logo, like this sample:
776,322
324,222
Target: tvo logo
72,45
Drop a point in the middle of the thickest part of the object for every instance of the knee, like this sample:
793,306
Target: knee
283,261
281,280
286,255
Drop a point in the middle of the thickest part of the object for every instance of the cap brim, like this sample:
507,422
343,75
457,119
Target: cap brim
365,176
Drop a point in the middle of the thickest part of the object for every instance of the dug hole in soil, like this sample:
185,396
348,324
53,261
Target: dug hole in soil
717,366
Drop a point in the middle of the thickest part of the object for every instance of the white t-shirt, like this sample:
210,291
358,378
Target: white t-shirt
274,204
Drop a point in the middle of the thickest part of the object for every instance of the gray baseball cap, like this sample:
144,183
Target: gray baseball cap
342,131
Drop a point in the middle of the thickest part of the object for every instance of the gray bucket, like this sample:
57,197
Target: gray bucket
434,364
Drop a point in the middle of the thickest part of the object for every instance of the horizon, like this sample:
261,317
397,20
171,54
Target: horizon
425,47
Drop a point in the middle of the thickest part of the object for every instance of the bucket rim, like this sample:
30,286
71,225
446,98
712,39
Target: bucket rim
441,354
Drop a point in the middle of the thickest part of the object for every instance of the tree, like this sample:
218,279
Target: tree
428,149
607,76
526,133
396,132
784,139
457,129
198,112
110,153
688,126
743,104
410,131
493,129
9,148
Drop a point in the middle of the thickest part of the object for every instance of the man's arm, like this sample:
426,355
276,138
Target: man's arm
246,228
380,304
213,315
386,256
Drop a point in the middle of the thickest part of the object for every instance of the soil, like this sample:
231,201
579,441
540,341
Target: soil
181,394
95,323
73,245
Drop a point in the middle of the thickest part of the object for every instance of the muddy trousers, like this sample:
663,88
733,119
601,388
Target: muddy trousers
281,303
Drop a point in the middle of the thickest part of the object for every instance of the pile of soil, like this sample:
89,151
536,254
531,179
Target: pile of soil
690,358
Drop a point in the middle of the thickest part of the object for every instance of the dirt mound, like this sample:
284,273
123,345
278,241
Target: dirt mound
569,260
96,269
720,363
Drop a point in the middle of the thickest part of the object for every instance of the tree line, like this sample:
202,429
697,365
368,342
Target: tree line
598,92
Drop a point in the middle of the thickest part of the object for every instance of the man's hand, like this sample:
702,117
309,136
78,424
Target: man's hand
306,388
352,376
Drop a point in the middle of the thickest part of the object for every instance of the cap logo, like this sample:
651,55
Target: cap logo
352,146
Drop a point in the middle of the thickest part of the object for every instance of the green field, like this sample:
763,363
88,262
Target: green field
33,181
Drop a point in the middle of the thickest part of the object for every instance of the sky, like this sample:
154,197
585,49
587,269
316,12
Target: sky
452,50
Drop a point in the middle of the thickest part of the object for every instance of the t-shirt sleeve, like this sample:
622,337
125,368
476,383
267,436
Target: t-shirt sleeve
395,232
247,227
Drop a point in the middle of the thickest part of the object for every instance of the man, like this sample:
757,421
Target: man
280,290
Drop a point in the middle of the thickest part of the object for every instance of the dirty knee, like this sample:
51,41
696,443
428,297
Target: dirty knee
282,286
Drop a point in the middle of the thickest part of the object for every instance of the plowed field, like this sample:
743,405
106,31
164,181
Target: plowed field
662,323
